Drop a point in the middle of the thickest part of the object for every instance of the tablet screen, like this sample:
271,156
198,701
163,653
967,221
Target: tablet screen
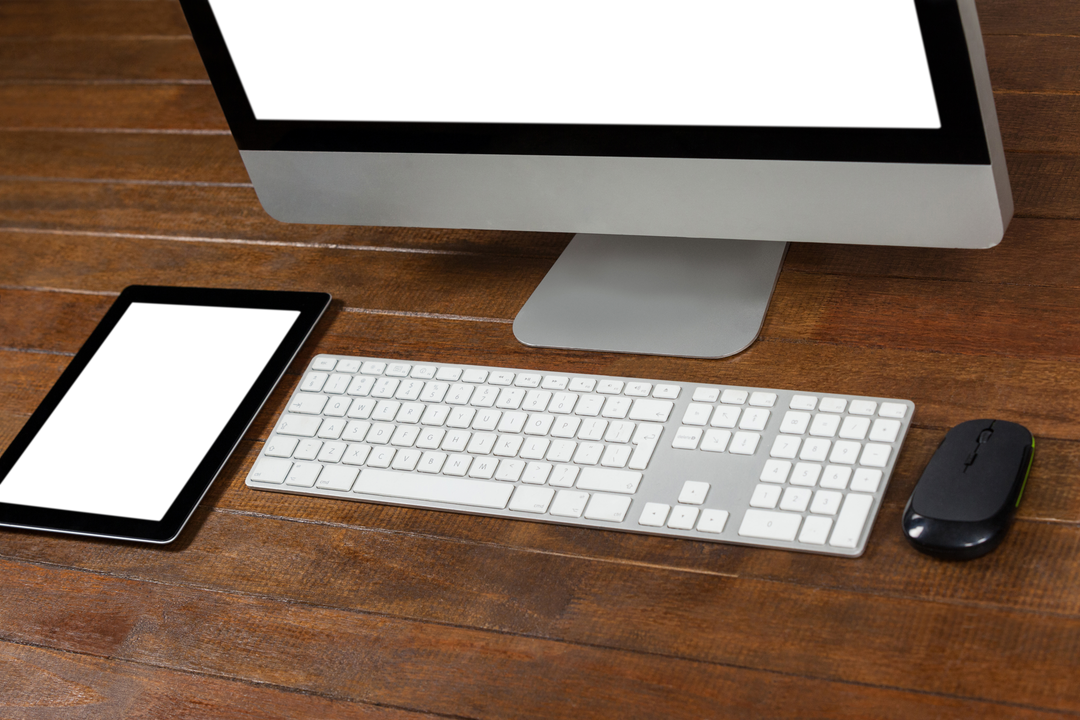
158,392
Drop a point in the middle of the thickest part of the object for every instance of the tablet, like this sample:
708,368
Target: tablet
140,423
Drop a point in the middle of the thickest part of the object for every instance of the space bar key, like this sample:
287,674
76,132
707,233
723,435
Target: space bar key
434,488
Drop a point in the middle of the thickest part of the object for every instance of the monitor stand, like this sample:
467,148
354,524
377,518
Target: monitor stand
683,297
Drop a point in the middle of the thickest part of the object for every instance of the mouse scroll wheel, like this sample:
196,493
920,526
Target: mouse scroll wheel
984,436
971,458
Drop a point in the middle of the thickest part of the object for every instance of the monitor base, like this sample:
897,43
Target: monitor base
683,297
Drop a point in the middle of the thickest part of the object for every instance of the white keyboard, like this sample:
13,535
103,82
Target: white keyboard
774,468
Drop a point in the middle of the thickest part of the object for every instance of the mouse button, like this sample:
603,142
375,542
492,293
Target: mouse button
958,497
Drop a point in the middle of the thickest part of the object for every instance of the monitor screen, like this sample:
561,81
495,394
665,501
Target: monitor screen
731,122
834,81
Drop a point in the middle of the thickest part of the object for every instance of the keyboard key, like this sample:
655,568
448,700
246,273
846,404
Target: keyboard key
785,447
744,443
406,459
835,477
825,425
893,410
712,521
853,516
651,410
683,518
866,480
339,478
300,425
845,452
862,407
854,428
270,470
474,376
796,499
693,492
607,480
765,496
563,476
348,366
453,491
762,399
775,471
373,368
875,455
734,397
314,382
754,419
826,502
815,530
815,449
654,514
609,508
582,385
638,389
281,447
715,440
609,387
307,450
794,423
885,431
323,363
803,402
554,382
528,380
686,438
770,525
307,403
448,374
706,395
666,392
832,405
806,474
303,474
725,417
531,499
569,503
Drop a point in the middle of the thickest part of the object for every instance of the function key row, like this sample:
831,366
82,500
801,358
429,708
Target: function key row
476,376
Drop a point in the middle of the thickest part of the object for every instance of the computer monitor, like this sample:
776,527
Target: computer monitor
685,141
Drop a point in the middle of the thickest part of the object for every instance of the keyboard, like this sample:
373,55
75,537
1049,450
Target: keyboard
773,468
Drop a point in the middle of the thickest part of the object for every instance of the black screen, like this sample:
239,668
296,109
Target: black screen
145,409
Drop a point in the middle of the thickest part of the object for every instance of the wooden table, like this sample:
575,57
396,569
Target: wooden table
116,167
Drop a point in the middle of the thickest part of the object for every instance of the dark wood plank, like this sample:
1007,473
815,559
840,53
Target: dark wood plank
955,317
1034,63
1017,17
82,18
122,156
1039,123
1045,186
459,672
1031,253
101,59
40,684
158,107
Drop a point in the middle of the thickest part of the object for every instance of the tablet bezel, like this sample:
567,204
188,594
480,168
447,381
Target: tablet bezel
310,306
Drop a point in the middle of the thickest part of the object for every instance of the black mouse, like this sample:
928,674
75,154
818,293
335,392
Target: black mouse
966,497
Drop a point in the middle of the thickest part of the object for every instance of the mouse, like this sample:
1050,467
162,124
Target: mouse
965,500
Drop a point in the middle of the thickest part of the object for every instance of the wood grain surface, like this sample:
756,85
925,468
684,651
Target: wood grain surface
117,167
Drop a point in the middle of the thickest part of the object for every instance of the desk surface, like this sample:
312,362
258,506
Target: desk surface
116,167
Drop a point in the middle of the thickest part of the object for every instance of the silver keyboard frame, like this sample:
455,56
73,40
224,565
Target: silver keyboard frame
667,470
